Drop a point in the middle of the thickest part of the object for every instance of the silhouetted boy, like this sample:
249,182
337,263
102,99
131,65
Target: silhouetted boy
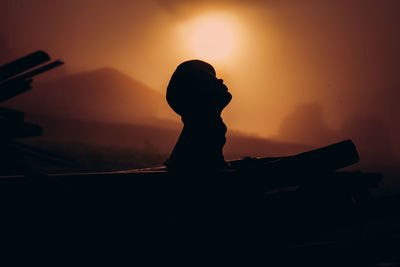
195,93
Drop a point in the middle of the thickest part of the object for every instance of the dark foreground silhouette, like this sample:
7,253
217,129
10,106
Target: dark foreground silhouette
293,210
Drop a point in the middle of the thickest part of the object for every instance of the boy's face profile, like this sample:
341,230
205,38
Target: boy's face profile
222,95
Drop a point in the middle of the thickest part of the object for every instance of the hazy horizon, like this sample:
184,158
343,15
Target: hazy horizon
292,67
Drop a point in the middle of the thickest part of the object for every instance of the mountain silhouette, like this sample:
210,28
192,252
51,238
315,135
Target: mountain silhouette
103,95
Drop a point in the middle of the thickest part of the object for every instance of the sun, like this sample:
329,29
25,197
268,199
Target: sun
212,37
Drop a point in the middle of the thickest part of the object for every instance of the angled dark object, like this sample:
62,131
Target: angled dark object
15,77
22,64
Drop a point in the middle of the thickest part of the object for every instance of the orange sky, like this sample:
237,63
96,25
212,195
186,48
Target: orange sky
339,55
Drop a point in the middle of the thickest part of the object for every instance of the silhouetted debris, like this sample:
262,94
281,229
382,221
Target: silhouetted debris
15,79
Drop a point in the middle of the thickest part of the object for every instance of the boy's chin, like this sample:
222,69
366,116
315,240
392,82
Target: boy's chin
227,99
229,95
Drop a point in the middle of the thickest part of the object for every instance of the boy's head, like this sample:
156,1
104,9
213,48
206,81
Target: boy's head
194,90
